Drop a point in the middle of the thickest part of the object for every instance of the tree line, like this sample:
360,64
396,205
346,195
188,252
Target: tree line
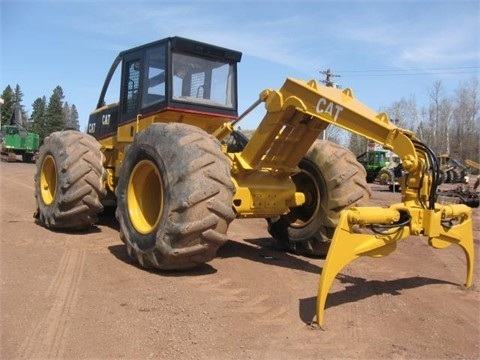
447,124
46,117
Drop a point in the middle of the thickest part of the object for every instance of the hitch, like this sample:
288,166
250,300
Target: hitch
444,225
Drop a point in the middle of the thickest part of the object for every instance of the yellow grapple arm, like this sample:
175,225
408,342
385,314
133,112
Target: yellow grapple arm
296,114
472,164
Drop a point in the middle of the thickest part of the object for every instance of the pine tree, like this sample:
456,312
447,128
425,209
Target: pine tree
8,106
45,118
38,118
70,114
73,120
18,97
55,120
66,114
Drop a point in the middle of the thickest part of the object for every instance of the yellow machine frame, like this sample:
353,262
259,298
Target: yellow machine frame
172,188
295,116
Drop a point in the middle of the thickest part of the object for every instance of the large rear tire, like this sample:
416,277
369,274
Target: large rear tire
174,197
332,180
69,181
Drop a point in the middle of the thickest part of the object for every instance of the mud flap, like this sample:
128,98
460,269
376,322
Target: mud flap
349,243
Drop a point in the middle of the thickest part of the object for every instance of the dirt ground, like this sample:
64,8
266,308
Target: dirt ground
78,296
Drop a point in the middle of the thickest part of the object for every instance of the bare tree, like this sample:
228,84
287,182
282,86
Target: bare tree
404,113
335,134
424,129
445,118
357,144
466,121
435,93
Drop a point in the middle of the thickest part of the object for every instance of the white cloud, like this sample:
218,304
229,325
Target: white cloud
448,46
278,39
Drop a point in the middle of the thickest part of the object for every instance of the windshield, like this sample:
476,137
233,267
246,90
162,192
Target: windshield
203,81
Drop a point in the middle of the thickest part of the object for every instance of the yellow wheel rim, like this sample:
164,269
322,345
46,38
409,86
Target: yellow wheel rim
48,180
145,197
384,178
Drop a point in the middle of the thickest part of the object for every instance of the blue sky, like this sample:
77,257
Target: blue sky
383,50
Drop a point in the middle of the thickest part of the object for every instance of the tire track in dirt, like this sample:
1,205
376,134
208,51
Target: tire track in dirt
47,337
257,307
230,289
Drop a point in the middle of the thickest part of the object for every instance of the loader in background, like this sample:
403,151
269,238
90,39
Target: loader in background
16,141
166,153
373,161
452,170
381,166
466,192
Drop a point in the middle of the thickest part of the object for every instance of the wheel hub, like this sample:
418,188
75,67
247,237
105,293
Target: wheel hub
48,180
304,214
145,197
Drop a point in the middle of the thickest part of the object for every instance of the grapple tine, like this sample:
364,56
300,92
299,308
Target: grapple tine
349,244
337,258
461,234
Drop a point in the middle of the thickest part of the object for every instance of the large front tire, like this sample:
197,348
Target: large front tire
174,197
332,180
69,181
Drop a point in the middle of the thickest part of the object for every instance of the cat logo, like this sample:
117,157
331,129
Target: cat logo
106,119
91,128
328,107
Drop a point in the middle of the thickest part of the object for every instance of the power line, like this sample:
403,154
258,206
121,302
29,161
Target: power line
411,72
414,69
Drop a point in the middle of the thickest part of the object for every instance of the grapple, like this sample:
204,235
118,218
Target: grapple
365,231
374,232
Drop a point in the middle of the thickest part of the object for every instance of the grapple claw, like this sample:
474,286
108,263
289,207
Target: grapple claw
460,233
348,244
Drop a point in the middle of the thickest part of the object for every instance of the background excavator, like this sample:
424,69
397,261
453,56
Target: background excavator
167,155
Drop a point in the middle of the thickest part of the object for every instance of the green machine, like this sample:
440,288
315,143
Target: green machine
373,162
17,141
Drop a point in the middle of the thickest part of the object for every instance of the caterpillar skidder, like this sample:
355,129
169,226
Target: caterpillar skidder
167,154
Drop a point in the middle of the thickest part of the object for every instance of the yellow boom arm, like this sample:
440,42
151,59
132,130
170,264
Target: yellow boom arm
296,114
472,164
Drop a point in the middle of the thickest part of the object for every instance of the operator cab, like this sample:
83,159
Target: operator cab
170,80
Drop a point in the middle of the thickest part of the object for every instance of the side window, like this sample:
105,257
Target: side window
132,84
221,85
112,95
154,86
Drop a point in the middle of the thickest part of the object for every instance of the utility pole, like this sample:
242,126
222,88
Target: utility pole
328,78
328,82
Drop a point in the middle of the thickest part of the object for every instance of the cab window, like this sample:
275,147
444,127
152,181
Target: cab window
113,90
154,85
203,81
132,84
